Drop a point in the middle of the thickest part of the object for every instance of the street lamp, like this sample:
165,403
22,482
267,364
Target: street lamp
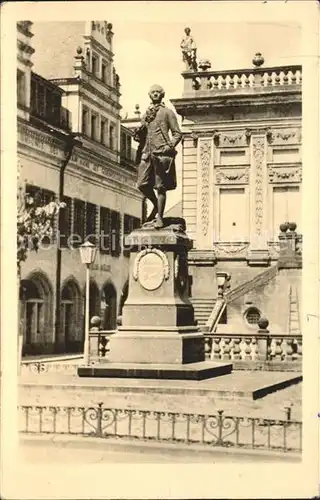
88,254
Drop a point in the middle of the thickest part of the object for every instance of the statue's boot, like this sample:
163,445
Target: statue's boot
152,215
158,223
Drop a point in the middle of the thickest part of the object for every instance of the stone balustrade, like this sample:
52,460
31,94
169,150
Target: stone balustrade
245,347
238,80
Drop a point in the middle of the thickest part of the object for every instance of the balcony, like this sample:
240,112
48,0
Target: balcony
273,79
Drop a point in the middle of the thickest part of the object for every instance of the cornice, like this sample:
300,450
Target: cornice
206,102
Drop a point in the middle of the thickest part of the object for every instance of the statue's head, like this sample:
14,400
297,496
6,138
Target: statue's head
187,31
156,93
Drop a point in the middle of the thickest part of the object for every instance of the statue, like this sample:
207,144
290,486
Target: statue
189,50
156,154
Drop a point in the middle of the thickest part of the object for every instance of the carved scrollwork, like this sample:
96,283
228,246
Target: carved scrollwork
232,249
286,136
285,174
205,161
156,271
258,147
232,176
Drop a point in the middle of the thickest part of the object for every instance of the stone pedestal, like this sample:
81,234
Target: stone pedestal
158,337
158,323
289,258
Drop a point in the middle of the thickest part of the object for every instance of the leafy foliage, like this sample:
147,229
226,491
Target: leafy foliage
35,222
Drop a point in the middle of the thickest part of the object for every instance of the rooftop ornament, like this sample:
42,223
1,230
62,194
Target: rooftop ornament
204,64
258,59
137,110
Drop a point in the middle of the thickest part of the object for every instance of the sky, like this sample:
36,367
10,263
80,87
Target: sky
147,37
147,53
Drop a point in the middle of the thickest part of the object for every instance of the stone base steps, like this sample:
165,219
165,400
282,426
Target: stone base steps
202,309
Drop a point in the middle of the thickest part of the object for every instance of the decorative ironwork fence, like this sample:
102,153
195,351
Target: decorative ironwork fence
189,428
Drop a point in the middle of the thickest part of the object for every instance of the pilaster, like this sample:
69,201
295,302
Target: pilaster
258,251
204,234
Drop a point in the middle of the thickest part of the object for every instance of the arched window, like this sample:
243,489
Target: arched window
109,294
71,332
37,313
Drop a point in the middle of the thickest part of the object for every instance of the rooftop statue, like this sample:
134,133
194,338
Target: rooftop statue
189,51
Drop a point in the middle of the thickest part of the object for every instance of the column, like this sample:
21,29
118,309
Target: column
204,238
258,251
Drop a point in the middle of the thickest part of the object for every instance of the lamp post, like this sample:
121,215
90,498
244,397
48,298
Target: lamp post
88,254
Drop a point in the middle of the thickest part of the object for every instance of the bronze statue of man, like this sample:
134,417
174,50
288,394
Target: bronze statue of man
156,154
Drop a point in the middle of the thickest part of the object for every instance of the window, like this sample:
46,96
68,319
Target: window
103,129
123,143
40,196
105,230
104,72
95,65
21,87
252,316
79,222
65,221
93,127
286,207
85,121
115,233
91,223
128,154
40,104
112,137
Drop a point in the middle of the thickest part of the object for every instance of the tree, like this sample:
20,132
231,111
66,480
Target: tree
35,222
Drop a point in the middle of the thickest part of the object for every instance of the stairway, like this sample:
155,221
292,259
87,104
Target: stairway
202,309
294,319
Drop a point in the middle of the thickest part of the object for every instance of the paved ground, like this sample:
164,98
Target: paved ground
81,450
230,393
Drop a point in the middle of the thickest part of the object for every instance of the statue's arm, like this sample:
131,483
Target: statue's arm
174,128
139,133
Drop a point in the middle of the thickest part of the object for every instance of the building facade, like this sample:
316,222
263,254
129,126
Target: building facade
242,175
73,147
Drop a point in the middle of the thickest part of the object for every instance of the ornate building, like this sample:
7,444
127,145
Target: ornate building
73,147
242,174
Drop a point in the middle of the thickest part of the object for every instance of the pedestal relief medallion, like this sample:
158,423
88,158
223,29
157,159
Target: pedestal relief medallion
151,268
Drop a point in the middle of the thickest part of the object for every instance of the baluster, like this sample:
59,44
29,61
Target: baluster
223,83
231,82
285,78
254,348
216,347
196,84
209,83
300,78
207,346
236,348
242,349
294,78
289,349
247,348
277,80
278,349
247,81
227,348
269,80
216,83
299,348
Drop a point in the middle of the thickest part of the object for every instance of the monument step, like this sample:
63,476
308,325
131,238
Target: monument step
261,394
189,371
